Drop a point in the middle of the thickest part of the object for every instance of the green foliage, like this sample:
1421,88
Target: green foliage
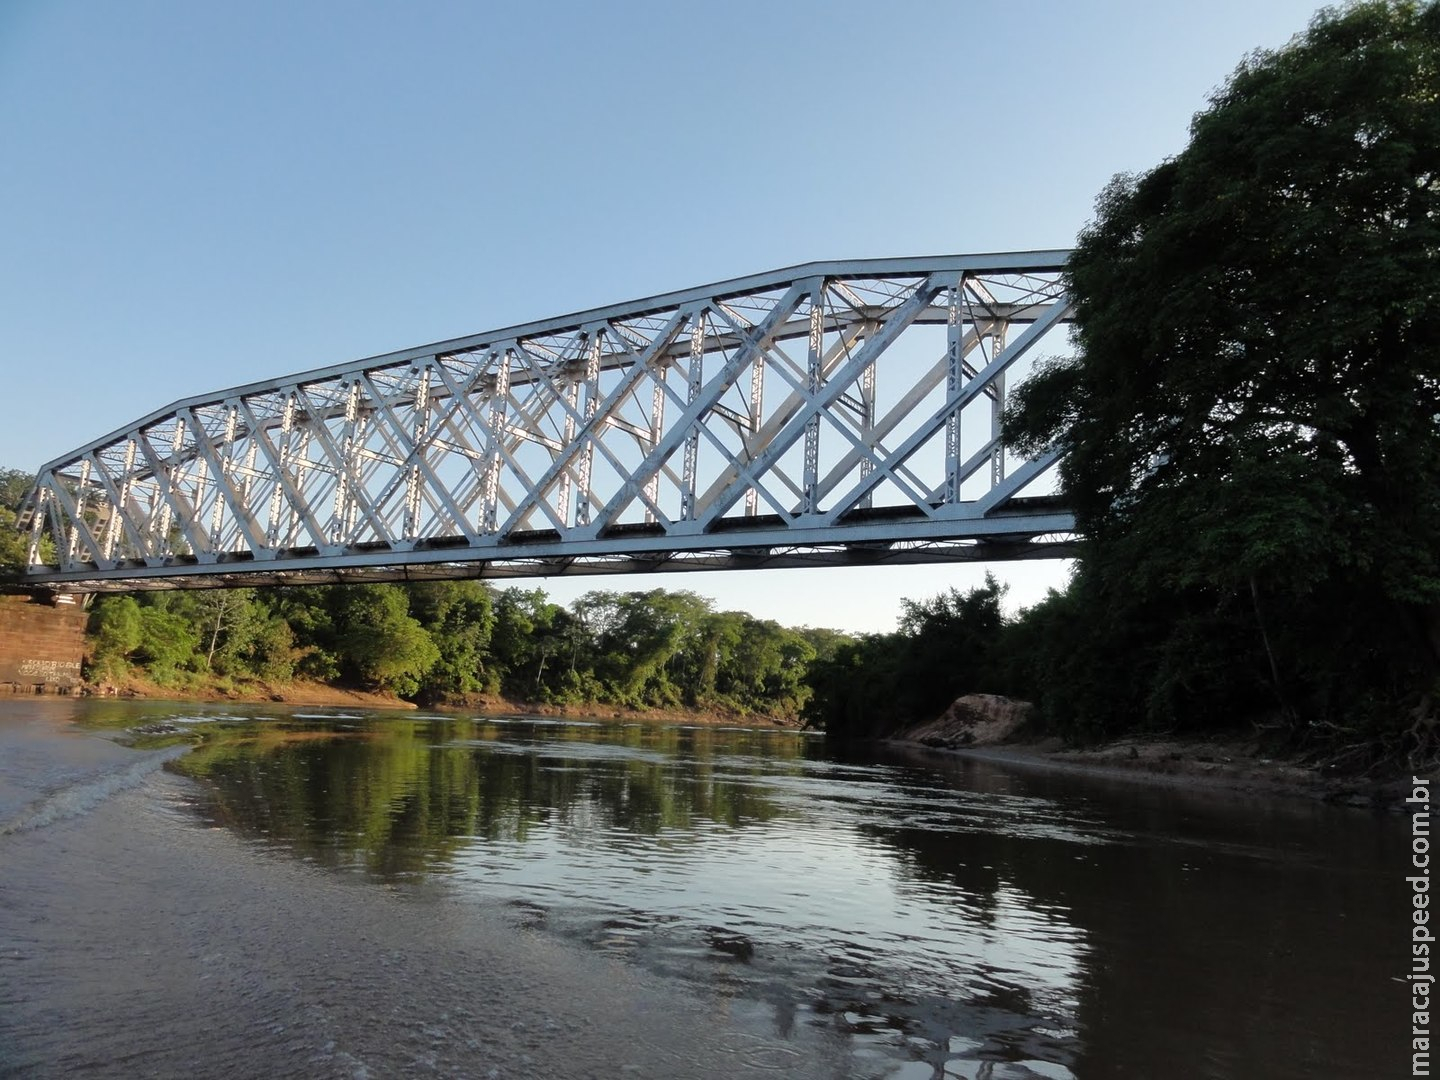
124,630
167,643
639,641
442,640
528,632
763,666
13,554
115,631
1251,416
945,647
228,622
269,653
382,647
459,617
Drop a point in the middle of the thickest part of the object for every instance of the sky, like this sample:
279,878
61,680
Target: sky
195,196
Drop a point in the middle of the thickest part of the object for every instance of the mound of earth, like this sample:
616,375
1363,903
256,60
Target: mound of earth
972,720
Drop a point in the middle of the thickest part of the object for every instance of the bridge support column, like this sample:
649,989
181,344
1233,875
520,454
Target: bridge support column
41,645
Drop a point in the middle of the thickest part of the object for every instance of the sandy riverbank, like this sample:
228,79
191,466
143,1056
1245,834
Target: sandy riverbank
1225,763
986,727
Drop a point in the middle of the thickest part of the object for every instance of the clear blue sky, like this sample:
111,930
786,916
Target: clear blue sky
202,194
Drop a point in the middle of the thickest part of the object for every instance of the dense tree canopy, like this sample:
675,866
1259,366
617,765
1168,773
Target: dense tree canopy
444,640
1251,415
944,647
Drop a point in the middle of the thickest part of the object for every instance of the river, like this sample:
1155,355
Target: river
198,890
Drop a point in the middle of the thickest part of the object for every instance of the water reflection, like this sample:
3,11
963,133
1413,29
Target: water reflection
953,919
746,860
402,798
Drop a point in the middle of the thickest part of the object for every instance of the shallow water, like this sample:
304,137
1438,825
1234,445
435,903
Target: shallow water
474,897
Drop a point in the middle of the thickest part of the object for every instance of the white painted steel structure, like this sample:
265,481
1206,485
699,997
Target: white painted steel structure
823,414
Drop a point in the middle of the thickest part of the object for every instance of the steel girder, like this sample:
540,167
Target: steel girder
826,414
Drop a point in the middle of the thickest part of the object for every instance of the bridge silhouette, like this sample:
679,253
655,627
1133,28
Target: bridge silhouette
834,413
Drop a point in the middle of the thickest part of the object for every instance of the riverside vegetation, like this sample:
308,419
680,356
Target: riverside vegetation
1251,427
450,641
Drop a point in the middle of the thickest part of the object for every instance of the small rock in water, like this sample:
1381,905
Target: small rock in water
727,941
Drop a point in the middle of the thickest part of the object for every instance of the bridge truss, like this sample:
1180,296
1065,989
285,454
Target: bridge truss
831,413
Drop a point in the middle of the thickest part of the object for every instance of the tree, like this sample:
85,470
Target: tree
381,645
524,638
168,643
226,622
638,639
764,667
13,544
115,630
458,617
1250,418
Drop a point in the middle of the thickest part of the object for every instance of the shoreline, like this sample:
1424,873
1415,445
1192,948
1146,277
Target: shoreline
1233,763
1191,765
313,693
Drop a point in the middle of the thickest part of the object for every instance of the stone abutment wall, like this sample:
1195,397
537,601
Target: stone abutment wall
40,646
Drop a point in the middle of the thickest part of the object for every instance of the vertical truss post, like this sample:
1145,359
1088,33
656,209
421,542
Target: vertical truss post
495,441
692,437
657,427
162,529
562,494
226,479
302,468
592,402
112,529
103,513
201,477
757,409
72,545
55,515
277,490
353,459
247,486
867,420
345,468
37,522
814,364
222,479
954,381
153,547
412,475
997,408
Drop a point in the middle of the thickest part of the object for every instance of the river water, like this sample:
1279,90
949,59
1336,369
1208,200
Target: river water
239,891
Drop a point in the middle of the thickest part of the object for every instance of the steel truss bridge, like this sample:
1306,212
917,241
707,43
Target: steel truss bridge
827,414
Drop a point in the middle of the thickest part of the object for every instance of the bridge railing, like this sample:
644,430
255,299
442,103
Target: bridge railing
827,413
